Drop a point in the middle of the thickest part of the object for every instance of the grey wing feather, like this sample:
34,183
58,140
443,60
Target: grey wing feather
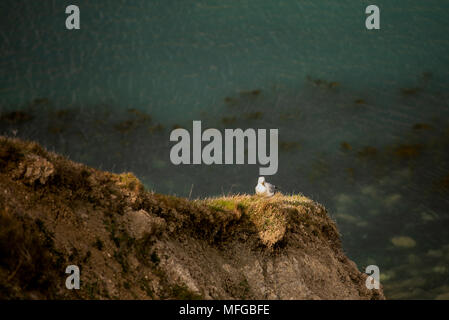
271,188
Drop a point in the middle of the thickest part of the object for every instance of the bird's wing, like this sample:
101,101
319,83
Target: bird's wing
270,187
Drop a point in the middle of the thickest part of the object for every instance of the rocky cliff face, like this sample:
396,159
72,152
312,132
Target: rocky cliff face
130,243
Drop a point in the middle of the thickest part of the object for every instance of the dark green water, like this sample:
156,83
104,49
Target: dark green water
363,116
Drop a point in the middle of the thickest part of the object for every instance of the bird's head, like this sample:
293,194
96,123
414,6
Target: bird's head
261,180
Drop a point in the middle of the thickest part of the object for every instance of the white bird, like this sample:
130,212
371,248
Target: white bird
264,188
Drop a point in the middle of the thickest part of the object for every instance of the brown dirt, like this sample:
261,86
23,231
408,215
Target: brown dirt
133,244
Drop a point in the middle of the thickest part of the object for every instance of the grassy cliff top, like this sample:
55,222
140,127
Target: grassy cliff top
132,243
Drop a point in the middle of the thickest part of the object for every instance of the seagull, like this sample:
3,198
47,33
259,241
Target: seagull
264,188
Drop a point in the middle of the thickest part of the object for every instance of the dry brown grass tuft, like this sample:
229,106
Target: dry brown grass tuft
274,217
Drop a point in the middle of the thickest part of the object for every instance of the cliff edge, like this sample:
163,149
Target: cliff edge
130,243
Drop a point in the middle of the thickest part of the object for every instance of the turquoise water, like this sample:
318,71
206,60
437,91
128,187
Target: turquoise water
363,116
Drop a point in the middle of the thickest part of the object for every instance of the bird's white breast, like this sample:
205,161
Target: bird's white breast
260,189
263,190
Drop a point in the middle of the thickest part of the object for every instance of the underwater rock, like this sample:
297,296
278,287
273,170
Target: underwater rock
16,117
403,242
410,91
